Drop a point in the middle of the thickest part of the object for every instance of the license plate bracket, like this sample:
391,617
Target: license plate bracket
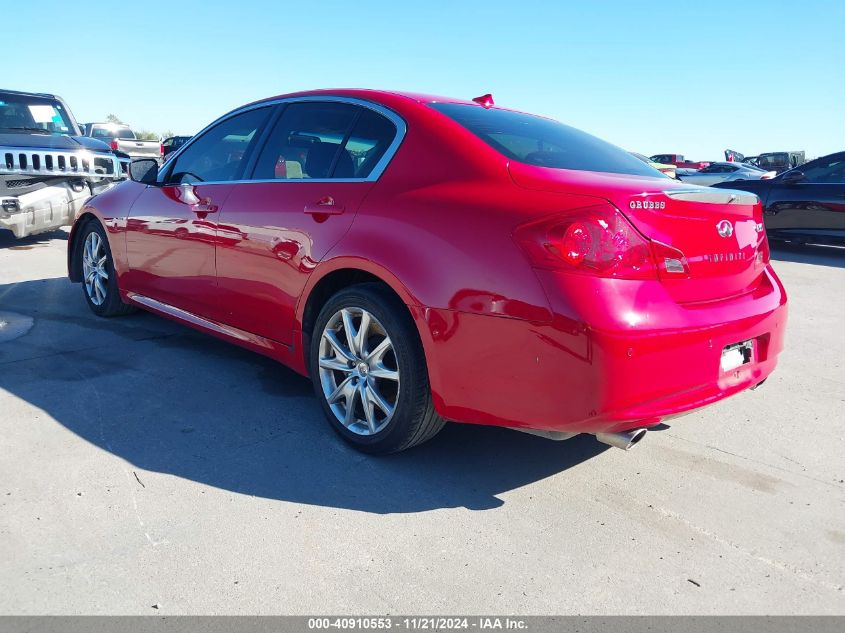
737,355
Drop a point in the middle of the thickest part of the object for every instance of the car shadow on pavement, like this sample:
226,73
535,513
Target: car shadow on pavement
833,256
9,241
168,399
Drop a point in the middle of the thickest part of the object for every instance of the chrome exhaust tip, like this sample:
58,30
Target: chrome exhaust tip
622,440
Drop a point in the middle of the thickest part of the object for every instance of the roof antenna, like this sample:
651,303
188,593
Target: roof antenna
485,100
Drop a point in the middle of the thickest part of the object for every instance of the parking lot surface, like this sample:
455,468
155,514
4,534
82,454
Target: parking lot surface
150,469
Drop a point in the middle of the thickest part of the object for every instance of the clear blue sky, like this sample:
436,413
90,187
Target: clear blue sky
685,76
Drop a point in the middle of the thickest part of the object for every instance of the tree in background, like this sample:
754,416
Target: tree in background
113,118
144,135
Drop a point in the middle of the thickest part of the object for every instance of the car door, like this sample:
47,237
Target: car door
813,203
319,160
707,176
171,227
720,173
734,172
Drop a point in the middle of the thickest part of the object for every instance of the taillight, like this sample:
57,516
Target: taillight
764,254
113,144
161,149
576,244
600,241
671,263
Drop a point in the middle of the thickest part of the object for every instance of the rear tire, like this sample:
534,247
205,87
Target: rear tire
369,371
99,279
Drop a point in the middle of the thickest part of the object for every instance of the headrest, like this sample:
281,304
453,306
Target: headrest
319,161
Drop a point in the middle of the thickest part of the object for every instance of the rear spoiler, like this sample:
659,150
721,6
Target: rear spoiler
708,195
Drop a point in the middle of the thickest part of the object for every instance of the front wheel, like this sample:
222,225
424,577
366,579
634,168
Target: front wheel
99,279
369,371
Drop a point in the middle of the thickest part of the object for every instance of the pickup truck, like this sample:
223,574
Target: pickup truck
48,169
678,161
122,139
780,161
777,162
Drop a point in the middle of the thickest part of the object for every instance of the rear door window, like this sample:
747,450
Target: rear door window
370,138
308,142
543,142
718,169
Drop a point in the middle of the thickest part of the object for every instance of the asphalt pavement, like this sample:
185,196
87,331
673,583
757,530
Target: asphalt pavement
146,468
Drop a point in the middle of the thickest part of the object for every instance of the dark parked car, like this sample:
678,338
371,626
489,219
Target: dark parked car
170,145
804,204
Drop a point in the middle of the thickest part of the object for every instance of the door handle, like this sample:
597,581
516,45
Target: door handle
204,207
324,206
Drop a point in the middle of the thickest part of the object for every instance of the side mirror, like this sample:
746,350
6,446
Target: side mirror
793,176
144,170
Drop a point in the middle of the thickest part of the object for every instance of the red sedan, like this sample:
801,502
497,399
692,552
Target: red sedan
426,259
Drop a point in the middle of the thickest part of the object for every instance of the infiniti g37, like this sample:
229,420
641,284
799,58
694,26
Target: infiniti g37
425,259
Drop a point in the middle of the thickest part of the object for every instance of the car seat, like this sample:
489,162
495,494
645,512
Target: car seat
319,161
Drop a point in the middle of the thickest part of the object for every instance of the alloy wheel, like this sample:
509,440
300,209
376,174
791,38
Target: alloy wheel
94,272
359,372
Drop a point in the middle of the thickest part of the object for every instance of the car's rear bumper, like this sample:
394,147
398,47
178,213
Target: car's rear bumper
609,362
832,237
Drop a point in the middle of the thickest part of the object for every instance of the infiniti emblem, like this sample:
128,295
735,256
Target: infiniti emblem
725,228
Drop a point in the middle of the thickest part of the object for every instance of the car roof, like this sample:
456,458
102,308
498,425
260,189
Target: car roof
370,95
393,99
30,94
729,163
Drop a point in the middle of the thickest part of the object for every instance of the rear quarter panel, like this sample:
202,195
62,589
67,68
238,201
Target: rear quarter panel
440,221
442,238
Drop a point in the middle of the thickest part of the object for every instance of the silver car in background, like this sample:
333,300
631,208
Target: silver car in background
724,172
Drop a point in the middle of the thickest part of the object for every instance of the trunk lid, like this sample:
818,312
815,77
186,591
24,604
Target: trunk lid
135,147
719,231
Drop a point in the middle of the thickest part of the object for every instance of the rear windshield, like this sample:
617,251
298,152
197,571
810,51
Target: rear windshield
544,142
111,132
773,160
